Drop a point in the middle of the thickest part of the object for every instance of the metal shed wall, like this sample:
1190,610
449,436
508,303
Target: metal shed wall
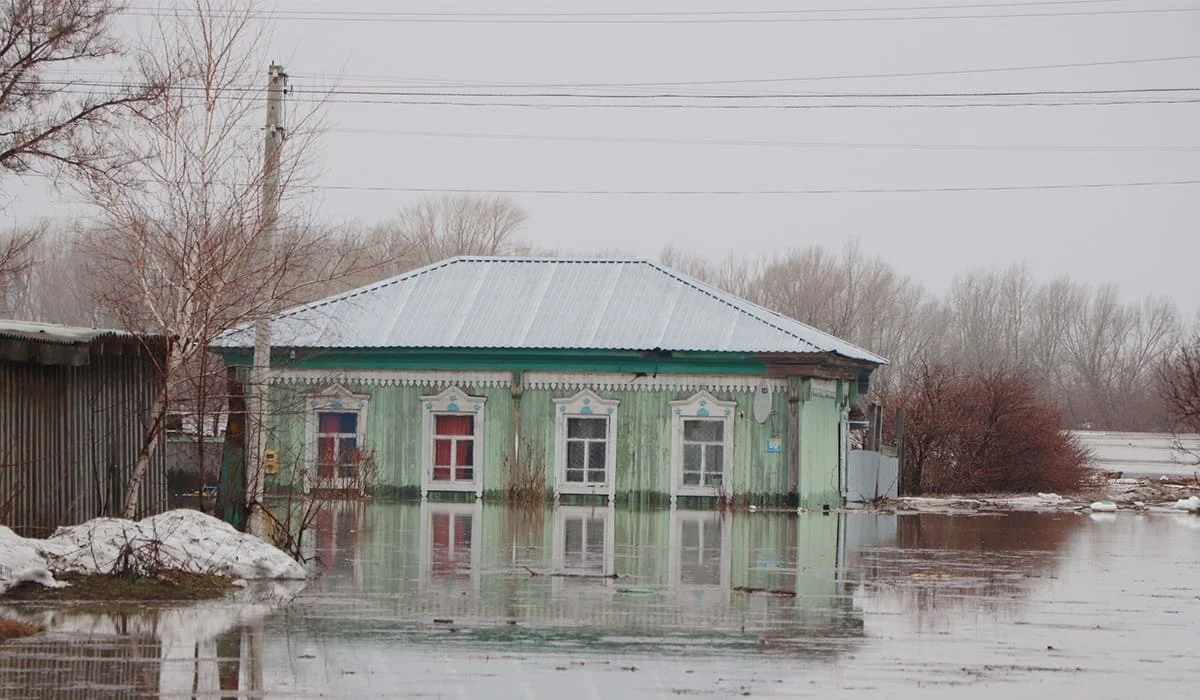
69,436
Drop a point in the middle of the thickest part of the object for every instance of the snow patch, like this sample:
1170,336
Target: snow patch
182,540
1189,504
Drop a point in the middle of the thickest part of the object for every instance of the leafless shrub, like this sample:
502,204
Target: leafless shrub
983,431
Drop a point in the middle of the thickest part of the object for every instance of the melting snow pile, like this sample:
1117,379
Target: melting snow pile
181,540
1189,504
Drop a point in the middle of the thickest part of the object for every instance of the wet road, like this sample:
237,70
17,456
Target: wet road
462,600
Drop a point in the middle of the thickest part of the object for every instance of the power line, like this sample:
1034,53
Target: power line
897,105
767,144
741,81
678,18
359,92
764,192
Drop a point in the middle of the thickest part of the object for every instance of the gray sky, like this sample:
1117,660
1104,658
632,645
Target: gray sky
1142,238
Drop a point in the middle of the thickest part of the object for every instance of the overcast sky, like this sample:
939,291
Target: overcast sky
1143,238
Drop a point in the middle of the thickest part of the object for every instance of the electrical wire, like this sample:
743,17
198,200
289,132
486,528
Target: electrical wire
679,18
767,144
720,193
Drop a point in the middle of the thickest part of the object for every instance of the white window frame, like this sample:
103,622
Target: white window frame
452,401
585,404
334,399
701,406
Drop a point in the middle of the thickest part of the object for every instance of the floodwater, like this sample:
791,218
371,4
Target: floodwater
463,601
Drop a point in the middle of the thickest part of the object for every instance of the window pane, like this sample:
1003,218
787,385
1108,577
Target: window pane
587,427
703,430
466,453
575,451
346,470
441,452
691,458
454,425
347,422
441,473
327,422
575,475
714,458
347,450
691,478
464,474
596,450
596,475
325,450
712,478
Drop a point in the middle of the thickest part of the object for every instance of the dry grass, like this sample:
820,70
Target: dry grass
526,484
171,586
15,629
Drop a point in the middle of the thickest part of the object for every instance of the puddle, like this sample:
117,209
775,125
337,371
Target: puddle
464,600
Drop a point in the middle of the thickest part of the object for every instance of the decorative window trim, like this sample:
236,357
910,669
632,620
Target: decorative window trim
452,400
393,377
334,397
701,405
585,404
628,381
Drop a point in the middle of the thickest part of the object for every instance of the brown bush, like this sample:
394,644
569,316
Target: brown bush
983,432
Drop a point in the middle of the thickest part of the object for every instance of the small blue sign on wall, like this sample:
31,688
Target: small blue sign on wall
774,445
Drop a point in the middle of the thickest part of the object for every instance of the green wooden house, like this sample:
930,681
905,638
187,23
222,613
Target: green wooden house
616,380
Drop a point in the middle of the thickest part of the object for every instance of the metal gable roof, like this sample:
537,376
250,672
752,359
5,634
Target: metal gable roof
544,303
54,333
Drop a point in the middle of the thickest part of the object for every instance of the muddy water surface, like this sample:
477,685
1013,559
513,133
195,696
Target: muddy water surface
462,600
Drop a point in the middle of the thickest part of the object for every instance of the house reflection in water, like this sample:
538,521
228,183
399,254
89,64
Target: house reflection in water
578,565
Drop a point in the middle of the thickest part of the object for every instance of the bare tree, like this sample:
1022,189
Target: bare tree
1179,382
49,120
16,260
184,255
436,229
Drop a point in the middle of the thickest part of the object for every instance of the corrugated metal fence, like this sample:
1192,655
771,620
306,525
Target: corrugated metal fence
69,436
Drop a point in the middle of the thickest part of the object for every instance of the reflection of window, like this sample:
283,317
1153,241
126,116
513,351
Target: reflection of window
587,447
585,444
583,544
700,552
450,546
337,443
453,448
701,445
452,437
703,452
450,553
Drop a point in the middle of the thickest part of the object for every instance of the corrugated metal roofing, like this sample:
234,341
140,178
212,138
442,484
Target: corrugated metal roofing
545,303
53,333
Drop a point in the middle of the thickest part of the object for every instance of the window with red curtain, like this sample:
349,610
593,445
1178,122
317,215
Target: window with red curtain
453,447
337,443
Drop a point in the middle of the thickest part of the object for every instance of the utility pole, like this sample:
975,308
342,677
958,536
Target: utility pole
257,404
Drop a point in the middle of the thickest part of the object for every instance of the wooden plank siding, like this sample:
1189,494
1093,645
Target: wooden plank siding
69,435
804,422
